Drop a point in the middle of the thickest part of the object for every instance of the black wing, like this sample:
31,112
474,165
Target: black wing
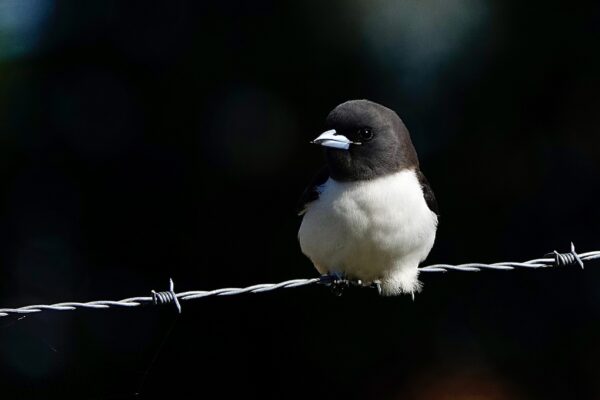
428,193
311,193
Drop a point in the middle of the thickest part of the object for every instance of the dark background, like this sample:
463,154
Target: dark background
153,139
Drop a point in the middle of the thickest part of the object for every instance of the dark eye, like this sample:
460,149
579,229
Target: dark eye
365,134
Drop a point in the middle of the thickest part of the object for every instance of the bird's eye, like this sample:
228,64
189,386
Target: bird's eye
365,134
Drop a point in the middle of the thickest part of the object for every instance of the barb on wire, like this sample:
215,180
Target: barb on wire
167,297
160,298
558,260
170,297
570,258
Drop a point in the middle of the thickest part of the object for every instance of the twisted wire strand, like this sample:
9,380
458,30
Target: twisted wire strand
559,260
167,297
160,298
170,297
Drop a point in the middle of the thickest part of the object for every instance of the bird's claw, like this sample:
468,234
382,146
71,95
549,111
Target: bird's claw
377,286
339,286
339,283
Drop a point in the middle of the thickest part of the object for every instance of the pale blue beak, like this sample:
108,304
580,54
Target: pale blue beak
331,139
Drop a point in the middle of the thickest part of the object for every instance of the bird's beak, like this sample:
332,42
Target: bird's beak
331,139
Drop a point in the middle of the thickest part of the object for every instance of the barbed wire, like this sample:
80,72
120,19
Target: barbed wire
557,260
553,259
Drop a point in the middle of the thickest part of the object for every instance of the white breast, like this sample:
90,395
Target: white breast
370,230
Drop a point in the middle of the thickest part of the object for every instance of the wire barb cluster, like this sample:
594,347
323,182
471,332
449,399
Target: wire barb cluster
167,297
170,297
557,260
570,258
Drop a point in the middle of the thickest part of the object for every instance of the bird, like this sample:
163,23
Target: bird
369,215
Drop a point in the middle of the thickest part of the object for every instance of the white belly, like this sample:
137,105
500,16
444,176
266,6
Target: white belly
370,230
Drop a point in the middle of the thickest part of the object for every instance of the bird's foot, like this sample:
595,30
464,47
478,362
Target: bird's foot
339,283
377,286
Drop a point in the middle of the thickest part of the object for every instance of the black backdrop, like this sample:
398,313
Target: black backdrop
146,140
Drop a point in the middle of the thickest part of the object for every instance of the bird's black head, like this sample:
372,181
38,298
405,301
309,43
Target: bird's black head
365,140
